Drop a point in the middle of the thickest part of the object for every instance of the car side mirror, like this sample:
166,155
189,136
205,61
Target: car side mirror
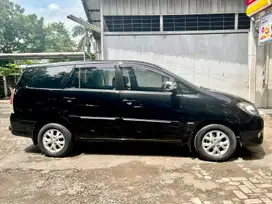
170,86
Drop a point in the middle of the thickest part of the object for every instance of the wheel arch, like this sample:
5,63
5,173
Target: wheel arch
209,122
50,119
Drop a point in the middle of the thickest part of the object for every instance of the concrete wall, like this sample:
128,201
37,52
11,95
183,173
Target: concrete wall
164,7
217,61
263,97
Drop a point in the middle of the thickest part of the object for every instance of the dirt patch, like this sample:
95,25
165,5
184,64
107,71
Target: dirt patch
203,185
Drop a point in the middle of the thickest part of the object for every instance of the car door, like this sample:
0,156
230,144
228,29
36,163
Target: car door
148,111
92,102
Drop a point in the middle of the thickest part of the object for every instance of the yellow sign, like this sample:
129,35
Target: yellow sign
256,6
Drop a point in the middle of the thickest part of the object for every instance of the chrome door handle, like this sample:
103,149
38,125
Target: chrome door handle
69,99
138,107
129,102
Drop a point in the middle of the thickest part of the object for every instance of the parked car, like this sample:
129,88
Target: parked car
60,104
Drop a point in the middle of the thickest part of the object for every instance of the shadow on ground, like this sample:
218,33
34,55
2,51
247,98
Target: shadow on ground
33,149
251,153
149,149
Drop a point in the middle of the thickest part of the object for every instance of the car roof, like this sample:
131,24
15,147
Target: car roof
95,62
87,62
68,63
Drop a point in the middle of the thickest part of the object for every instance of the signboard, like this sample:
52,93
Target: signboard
248,2
255,6
265,32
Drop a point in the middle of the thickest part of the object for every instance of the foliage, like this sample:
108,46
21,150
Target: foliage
19,32
93,56
57,38
86,38
28,62
27,33
9,69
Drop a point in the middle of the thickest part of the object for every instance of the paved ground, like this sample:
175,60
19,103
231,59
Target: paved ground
130,173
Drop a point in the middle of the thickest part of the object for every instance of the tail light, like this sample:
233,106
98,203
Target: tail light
11,97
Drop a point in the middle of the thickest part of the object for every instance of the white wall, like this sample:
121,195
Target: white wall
217,61
263,97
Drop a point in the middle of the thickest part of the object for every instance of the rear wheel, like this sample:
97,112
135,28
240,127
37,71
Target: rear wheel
215,143
55,140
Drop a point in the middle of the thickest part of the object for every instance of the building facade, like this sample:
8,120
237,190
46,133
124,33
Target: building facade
260,52
203,41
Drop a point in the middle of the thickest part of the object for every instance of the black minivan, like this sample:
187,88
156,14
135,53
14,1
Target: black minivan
60,104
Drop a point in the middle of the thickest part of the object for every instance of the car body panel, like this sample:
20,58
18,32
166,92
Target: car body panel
155,115
131,115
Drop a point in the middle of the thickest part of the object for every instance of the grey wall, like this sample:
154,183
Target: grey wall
217,61
164,7
263,96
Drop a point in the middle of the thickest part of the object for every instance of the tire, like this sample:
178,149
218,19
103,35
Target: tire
223,152
62,141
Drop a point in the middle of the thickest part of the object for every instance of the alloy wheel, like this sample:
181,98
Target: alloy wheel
215,143
53,140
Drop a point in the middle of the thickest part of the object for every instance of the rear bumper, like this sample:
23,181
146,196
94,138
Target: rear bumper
21,127
252,133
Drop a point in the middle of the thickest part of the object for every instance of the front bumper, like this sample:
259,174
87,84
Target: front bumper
21,127
251,133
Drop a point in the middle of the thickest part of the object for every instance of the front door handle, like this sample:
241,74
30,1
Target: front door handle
129,102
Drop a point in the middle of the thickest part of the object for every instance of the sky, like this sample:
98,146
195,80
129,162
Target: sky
54,10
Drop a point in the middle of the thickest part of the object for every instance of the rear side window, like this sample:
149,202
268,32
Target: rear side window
25,77
50,77
93,78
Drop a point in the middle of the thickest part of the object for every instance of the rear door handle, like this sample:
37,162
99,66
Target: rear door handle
69,99
138,107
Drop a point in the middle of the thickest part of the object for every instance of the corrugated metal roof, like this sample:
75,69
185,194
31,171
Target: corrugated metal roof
171,7
160,7
92,10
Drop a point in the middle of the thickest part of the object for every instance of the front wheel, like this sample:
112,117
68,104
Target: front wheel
55,140
215,143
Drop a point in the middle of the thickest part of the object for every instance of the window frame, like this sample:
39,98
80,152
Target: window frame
101,66
144,67
152,69
242,24
132,23
191,22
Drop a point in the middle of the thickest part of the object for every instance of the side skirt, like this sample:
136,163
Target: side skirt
131,140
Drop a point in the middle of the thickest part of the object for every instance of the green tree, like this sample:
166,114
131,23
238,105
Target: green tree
9,69
19,32
27,33
57,38
86,37
35,34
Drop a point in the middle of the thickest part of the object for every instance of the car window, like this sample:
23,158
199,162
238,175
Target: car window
26,76
140,78
92,78
183,89
50,77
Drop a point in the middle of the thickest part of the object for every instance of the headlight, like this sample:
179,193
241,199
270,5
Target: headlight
249,108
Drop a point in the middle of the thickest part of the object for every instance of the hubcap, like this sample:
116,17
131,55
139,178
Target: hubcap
215,143
53,140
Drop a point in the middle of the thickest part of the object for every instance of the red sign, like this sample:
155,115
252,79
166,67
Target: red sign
248,2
